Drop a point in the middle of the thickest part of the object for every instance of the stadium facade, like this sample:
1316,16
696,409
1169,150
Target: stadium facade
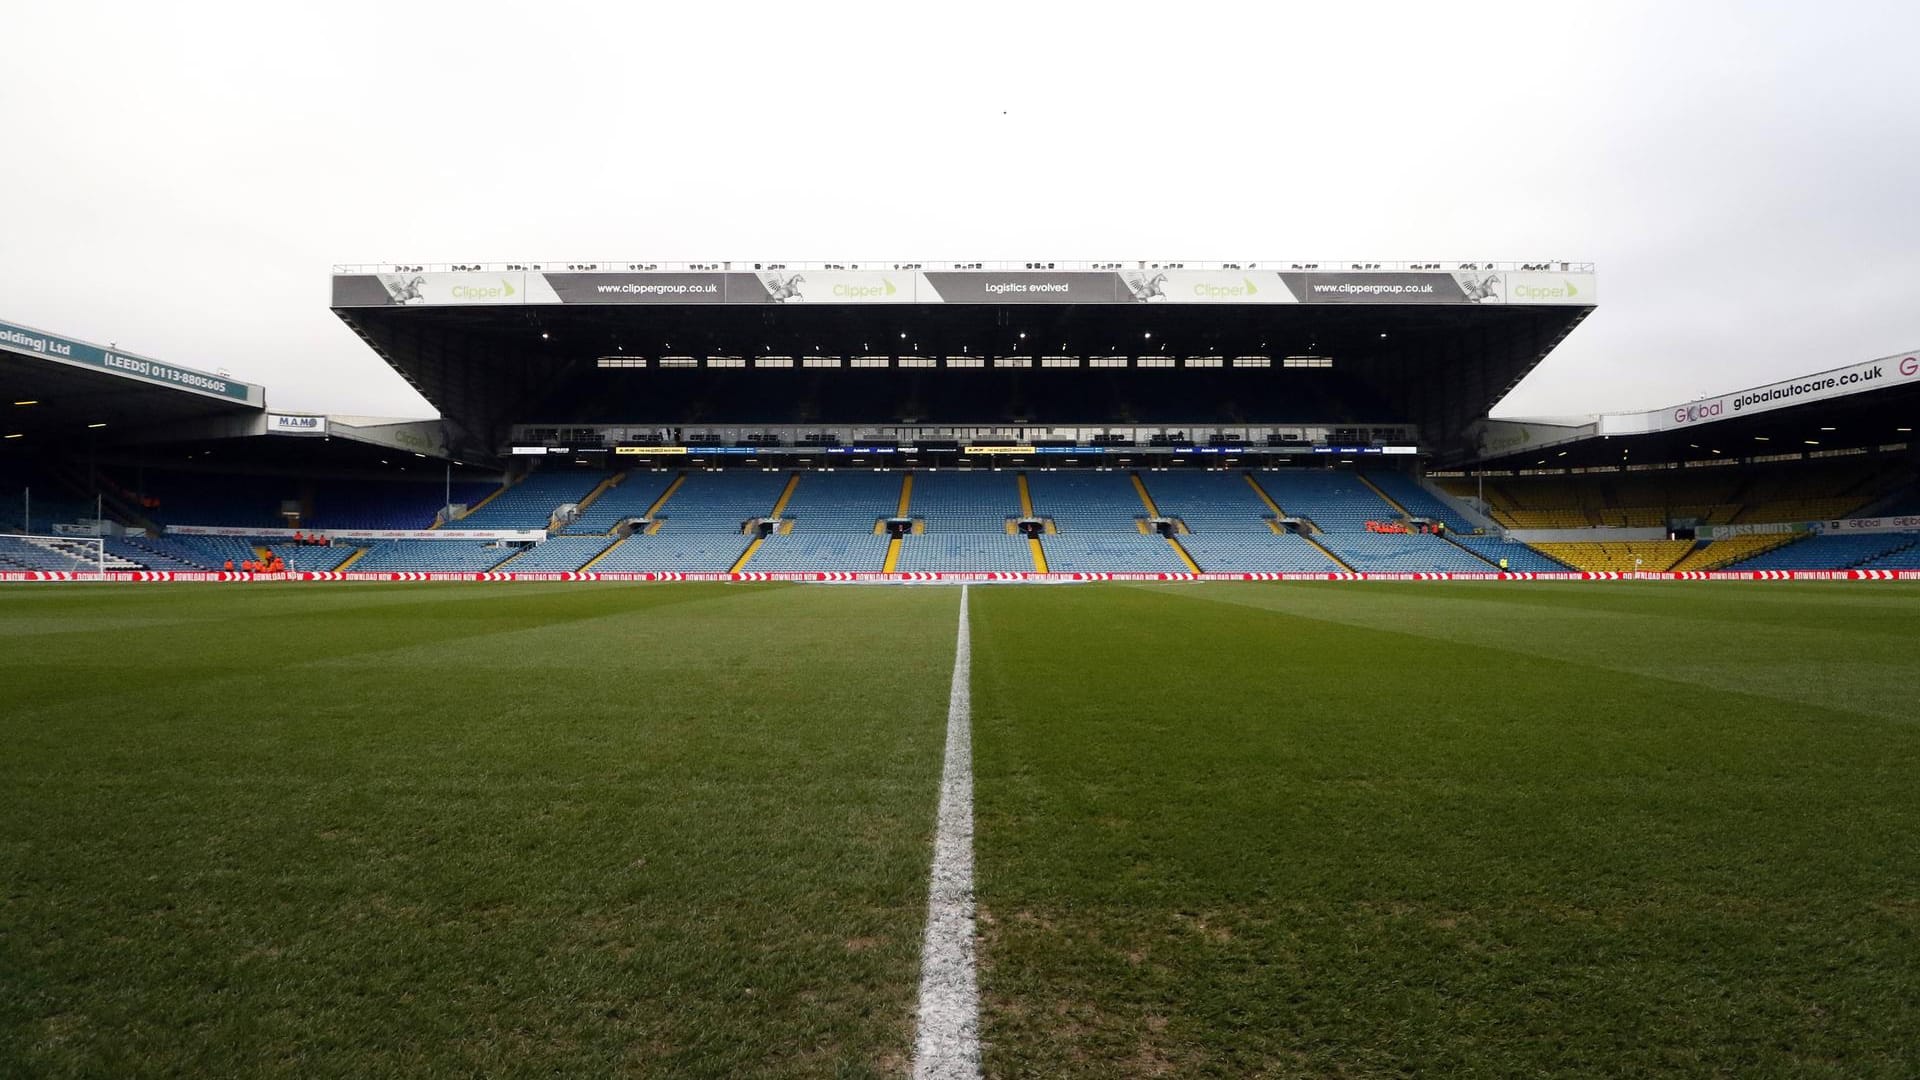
918,420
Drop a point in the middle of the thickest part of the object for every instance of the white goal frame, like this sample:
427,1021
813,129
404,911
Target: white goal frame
97,543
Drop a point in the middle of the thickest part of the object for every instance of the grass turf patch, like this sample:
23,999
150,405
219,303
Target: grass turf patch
1382,831
1268,830
448,830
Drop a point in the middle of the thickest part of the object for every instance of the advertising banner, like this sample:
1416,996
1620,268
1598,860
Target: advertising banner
283,424
1204,287
28,342
1129,286
1895,370
639,288
450,533
1026,287
1531,288
440,289
1898,523
1397,287
823,287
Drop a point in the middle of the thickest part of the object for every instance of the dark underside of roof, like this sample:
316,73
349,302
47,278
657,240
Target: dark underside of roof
69,400
486,368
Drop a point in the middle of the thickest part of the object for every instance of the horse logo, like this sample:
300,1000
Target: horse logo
781,290
1145,289
1480,290
405,290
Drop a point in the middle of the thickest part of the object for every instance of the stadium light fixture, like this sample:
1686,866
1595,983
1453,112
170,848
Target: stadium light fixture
1761,438
1811,442
1149,335
90,427
29,402
16,435
1829,429
543,335
1903,429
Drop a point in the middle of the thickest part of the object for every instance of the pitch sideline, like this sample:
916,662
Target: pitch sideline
947,1043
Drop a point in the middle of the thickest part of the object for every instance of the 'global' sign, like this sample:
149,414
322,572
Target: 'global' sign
1702,410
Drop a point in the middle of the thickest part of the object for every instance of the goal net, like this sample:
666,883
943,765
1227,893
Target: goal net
66,554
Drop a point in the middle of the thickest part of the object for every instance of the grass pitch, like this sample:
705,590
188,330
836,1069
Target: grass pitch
1265,830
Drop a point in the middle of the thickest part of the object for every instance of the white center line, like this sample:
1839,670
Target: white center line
947,1046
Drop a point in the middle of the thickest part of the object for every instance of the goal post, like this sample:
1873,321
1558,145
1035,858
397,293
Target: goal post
67,554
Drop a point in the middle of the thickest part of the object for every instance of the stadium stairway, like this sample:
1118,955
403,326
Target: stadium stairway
786,496
1322,548
494,494
665,496
1404,513
600,489
1266,498
1153,512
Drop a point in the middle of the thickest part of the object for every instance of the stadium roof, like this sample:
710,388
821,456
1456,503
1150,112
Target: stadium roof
62,390
1436,344
1865,406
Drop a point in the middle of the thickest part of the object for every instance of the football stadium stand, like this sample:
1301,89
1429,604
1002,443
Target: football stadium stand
703,527
1519,557
155,554
1719,495
1407,494
630,498
835,523
1257,553
1841,552
1332,500
1229,526
1102,521
967,515
529,504
559,553
1724,552
1211,501
446,556
843,500
340,504
820,551
301,558
46,553
1627,556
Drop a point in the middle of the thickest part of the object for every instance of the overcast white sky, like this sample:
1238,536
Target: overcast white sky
180,177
